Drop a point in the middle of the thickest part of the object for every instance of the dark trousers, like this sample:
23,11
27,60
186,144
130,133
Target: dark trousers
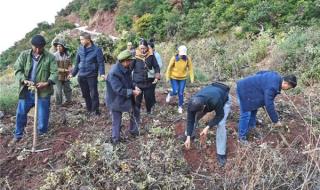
149,98
89,89
116,125
154,93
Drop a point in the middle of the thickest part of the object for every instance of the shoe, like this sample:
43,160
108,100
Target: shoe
13,142
180,110
168,98
115,142
256,134
244,142
134,134
97,113
222,159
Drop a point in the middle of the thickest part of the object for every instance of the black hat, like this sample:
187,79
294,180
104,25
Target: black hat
291,79
38,41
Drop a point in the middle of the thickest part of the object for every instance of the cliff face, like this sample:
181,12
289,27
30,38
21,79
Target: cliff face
102,22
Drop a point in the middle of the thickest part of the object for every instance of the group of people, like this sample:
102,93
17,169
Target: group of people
133,78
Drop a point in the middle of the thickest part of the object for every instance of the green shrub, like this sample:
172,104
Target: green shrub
301,48
259,48
146,26
193,23
123,22
8,97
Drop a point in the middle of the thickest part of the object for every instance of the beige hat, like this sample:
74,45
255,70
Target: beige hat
182,50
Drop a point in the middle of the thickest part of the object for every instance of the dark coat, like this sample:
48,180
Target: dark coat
260,90
119,89
140,68
214,98
89,61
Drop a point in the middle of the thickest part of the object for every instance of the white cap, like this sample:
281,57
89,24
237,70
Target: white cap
182,50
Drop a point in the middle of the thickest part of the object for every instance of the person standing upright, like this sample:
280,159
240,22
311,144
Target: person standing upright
64,69
146,72
89,62
179,67
121,93
159,61
131,48
35,67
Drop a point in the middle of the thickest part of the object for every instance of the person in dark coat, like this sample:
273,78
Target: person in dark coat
214,97
257,91
121,93
89,62
146,73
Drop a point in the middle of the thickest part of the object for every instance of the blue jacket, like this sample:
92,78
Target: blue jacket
260,90
89,61
215,96
119,89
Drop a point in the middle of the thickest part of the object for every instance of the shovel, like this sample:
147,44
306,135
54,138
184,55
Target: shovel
34,142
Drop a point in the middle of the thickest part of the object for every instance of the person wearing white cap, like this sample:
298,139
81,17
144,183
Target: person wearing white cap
178,69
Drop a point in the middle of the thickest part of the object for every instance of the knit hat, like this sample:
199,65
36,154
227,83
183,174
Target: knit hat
60,42
124,55
182,50
38,41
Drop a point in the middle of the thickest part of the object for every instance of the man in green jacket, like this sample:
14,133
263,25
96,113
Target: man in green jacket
34,67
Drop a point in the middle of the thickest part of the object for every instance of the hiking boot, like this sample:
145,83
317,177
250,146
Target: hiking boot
13,142
168,98
256,134
244,142
222,159
180,110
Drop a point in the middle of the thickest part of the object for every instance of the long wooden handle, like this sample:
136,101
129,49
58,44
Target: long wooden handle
35,120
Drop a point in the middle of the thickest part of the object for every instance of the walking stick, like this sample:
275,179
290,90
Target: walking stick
34,142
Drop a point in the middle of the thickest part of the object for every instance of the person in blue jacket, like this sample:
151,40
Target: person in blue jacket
89,62
214,97
257,91
121,93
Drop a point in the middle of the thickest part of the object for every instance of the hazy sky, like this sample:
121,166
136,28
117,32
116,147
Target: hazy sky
17,17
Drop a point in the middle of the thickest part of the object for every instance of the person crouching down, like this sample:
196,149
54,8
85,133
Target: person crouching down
214,97
120,94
